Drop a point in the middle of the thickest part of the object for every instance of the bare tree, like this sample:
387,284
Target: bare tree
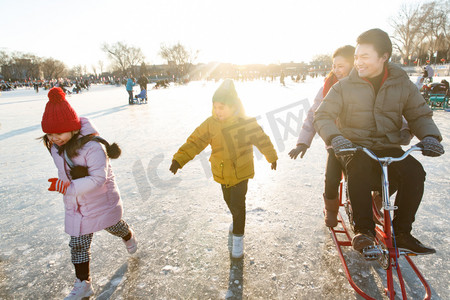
422,31
5,58
122,56
25,65
94,70
19,66
52,68
322,60
76,71
178,56
100,65
407,26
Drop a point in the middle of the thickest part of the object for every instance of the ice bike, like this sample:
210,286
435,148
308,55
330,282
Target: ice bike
384,250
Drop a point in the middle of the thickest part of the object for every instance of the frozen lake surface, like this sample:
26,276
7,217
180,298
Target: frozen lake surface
181,221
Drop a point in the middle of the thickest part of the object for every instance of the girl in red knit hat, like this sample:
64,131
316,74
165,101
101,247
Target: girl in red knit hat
85,178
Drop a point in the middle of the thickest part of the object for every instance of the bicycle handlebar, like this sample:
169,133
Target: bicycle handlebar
382,159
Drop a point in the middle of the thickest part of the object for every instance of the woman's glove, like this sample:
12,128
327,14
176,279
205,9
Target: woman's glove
174,167
301,148
58,185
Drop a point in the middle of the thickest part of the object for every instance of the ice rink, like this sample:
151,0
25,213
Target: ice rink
181,221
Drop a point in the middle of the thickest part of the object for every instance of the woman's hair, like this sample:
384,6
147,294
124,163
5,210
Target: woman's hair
347,52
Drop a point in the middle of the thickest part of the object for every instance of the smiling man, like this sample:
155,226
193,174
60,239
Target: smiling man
366,109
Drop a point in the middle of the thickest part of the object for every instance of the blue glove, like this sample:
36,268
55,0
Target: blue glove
431,146
339,143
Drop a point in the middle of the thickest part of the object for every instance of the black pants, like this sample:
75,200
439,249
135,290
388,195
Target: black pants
234,196
130,96
364,173
333,173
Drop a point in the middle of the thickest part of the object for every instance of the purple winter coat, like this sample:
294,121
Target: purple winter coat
92,203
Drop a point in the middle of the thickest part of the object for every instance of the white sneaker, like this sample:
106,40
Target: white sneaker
131,244
230,230
238,246
81,289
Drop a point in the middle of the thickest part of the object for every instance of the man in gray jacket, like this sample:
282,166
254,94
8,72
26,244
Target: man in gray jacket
366,109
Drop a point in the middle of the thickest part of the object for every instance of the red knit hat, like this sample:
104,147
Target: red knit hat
59,116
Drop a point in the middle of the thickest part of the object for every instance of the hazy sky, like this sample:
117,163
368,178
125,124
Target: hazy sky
237,31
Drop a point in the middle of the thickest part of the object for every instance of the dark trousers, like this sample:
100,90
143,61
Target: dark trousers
333,174
130,96
364,175
234,196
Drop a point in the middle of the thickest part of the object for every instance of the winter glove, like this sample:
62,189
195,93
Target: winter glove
339,143
174,167
301,148
274,165
431,146
58,185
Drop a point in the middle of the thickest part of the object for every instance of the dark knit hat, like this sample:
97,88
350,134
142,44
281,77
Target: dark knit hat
226,93
59,116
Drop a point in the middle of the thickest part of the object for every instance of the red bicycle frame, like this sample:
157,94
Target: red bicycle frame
384,249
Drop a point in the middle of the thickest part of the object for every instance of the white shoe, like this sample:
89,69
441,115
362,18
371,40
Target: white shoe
238,246
230,230
131,244
81,289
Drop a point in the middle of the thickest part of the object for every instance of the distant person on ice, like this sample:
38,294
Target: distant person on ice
232,136
428,72
366,109
143,81
85,178
129,87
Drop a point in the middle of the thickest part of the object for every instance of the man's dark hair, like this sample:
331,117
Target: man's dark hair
379,39
347,52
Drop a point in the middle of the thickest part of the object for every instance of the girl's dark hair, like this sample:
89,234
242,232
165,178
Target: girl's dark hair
46,142
75,143
347,52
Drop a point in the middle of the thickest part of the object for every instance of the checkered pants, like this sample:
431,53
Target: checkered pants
80,246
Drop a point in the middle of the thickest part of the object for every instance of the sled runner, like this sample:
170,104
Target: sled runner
384,251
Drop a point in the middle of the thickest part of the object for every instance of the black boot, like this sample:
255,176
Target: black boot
406,242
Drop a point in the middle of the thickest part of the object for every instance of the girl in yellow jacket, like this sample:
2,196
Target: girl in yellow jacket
232,136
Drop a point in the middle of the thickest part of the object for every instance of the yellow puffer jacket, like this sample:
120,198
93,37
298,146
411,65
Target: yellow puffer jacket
232,143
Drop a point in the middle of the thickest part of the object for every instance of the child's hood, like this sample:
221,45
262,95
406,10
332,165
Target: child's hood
87,127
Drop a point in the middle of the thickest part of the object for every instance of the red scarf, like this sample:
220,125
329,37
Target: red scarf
329,82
